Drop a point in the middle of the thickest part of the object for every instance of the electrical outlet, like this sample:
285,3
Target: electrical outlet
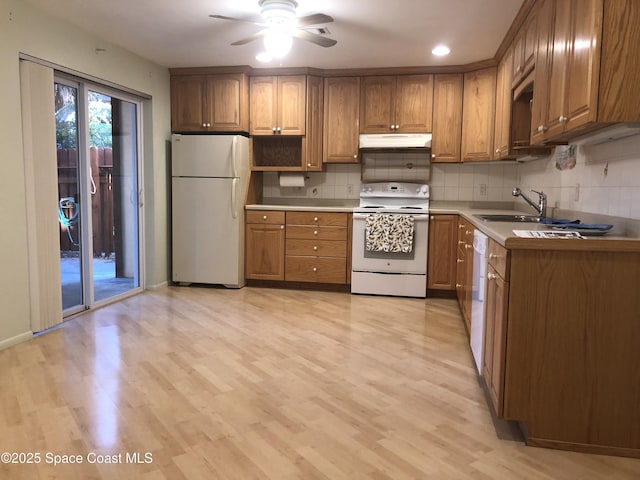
483,189
576,195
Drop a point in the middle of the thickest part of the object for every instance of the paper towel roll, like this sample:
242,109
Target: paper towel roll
292,179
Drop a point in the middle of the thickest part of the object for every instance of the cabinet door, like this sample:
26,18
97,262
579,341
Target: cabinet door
503,108
443,236
584,63
291,105
544,47
187,103
341,119
478,115
447,118
414,103
495,338
312,141
556,115
226,103
263,93
377,104
264,252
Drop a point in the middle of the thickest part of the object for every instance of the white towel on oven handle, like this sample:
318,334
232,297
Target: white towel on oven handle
389,233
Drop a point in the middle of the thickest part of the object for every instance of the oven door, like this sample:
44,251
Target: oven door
383,262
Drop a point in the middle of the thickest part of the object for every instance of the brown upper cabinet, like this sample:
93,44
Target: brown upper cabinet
502,137
478,115
524,48
278,105
396,104
447,118
592,69
341,119
209,103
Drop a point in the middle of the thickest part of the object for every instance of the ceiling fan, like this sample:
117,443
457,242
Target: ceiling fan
280,24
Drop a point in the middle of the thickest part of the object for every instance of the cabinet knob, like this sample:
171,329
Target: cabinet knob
562,119
432,217
315,248
308,165
467,246
274,130
458,285
541,129
519,69
278,129
315,269
281,227
355,156
204,125
461,225
264,217
461,242
497,150
315,219
493,256
433,155
491,276
459,260
315,232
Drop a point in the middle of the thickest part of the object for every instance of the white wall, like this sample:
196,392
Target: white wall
24,30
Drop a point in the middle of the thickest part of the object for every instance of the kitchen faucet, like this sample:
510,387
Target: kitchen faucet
541,207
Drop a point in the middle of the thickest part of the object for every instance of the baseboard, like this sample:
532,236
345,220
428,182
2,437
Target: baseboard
10,342
584,448
158,286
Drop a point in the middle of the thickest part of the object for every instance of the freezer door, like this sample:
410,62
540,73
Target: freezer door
223,156
207,232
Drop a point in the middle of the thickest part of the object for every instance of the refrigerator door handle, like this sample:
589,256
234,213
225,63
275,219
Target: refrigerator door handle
234,201
234,156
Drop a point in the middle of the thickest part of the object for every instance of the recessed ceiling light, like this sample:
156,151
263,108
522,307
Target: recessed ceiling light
264,57
441,50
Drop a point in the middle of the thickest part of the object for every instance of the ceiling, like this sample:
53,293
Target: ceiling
370,33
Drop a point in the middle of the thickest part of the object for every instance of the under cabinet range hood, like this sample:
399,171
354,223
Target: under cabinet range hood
395,141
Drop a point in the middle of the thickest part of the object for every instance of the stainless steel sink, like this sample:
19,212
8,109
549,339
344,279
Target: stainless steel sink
509,218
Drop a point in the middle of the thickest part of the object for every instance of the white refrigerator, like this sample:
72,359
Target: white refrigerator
209,180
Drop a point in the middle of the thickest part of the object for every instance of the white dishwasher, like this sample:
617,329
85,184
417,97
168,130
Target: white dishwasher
478,290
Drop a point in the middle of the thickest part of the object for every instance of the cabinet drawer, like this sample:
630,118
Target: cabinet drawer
265,216
313,232
313,269
323,219
498,258
320,248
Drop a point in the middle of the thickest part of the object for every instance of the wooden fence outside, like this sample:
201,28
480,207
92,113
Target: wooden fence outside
102,215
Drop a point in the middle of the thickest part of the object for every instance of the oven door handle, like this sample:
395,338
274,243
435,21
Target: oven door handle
417,217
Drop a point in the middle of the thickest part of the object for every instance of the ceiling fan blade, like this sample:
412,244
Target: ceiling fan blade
251,38
222,17
314,38
315,19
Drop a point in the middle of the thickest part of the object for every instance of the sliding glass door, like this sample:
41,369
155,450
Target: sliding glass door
98,185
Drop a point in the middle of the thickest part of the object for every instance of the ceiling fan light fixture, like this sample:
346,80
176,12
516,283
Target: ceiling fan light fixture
278,12
441,50
278,42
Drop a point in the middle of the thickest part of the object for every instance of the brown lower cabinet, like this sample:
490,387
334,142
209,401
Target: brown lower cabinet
316,247
562,331
443,238
264,240
496,301
298,246
464,269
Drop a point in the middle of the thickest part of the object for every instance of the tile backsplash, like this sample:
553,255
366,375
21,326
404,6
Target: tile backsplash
605,179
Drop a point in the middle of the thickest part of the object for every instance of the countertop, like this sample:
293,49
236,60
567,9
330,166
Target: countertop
624,237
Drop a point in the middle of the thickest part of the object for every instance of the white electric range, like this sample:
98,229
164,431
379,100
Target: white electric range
384,271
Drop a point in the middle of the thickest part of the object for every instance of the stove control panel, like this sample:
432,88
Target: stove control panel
395,189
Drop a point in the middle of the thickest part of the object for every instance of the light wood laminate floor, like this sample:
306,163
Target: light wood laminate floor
265,384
